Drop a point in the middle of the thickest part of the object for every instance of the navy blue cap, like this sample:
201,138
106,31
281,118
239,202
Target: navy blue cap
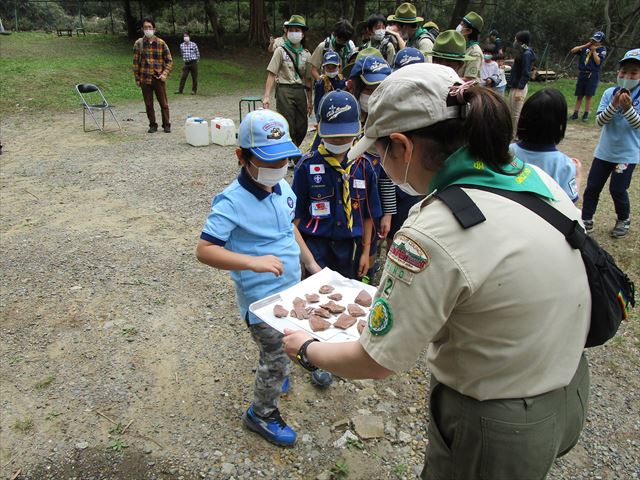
598,36
407,56
331,58
339,115
372,69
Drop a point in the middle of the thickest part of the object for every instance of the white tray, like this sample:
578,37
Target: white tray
349,289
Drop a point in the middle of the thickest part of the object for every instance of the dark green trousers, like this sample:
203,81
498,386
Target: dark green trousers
291,103
512,439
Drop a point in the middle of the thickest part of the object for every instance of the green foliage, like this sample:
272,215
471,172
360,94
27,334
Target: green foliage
45,382
340,469
116,429
53,65
117,444
23,426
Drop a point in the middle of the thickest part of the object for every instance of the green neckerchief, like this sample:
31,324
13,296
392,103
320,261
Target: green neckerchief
461,168
297,52
346,51
471,43
416,36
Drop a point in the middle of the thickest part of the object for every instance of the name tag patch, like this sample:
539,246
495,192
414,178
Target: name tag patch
408,254
320,209
399,273
359,183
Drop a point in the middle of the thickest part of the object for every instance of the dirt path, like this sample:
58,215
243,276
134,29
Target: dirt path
107,313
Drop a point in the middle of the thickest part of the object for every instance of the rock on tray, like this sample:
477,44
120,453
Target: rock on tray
301,313
344,321
364,299
355,310
335,296
361,325
312,297
333,307
280,312
298,302
324,289
321,312
318,324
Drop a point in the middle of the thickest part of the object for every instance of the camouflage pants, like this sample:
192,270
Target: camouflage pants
273,367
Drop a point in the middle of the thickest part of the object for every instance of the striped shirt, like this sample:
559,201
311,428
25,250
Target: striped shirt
620,137
151,58
189,51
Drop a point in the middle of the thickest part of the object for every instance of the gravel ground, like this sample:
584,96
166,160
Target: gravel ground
123,357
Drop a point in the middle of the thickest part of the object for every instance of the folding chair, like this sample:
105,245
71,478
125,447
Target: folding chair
88,88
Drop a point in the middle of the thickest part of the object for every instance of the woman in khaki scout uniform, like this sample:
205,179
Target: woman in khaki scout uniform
471,26
288,70
503,306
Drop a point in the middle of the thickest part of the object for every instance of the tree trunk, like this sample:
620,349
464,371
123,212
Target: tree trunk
459,11
129,20
212,16
358,12
258,24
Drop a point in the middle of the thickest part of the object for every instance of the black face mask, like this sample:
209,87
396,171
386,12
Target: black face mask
339,46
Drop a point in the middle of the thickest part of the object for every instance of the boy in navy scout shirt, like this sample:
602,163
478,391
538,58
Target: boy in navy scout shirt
263,256
591,54
330,80
337,199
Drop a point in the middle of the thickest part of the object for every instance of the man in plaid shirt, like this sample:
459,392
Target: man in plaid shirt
190,55
152,64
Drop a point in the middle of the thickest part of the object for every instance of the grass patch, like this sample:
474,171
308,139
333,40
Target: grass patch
39,71
23,426
45,382
117,444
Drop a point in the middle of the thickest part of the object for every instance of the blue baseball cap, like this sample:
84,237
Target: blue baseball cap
373,69
266,134
631,55
339,115
331,58
407,56
598,36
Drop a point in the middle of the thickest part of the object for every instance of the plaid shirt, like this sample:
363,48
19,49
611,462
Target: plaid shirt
151,58
189,51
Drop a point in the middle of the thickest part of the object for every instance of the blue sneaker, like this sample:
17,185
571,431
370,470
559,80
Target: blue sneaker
272,428
321,378
285,386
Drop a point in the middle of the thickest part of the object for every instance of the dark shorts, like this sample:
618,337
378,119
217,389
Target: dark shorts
342,256
587,84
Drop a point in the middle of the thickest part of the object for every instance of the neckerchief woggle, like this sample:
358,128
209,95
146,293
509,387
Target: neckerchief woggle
462,168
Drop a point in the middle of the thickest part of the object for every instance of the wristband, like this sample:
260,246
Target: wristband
301,356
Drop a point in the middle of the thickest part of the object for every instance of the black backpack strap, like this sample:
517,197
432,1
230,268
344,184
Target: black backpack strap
463,208
571,229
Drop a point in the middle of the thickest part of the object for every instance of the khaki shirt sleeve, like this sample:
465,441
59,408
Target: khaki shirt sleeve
276,61
317,56
425,45
419,300
471,68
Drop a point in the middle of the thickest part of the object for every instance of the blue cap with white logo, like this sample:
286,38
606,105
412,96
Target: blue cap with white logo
339,115
371,69
598,36
407,56
631,55
266,134
331,58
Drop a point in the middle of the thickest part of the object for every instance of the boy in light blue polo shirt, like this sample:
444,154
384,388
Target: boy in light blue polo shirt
249,231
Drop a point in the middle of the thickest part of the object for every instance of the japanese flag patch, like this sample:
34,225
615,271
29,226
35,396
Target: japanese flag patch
316,169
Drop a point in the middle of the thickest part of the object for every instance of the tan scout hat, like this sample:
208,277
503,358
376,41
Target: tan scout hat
412,97
296,21
450,45
405,13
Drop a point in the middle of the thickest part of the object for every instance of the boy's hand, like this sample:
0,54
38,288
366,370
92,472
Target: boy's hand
312,267
363,267
385,225
616,99
625,100
267,263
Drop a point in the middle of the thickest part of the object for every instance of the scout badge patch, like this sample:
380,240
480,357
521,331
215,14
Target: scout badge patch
408,254
380,318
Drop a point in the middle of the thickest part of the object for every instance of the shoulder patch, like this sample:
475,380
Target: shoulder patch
380,318
408,254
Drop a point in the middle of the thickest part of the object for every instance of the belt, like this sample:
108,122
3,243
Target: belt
291,85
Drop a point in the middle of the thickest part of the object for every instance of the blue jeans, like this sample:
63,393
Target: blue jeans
620,181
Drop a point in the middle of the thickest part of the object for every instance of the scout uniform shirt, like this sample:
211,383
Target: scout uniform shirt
320,191
587,63
329,44
422,42
504,306
281,65
232,224
471,68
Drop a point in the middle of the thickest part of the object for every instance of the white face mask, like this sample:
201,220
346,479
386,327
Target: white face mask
379,34
186,39
628,83
269,177
148,33
332,148
294,37
405,186
459,29
332,74
364,102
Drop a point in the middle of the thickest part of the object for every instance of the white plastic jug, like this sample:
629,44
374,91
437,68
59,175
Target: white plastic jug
223,131
197,131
